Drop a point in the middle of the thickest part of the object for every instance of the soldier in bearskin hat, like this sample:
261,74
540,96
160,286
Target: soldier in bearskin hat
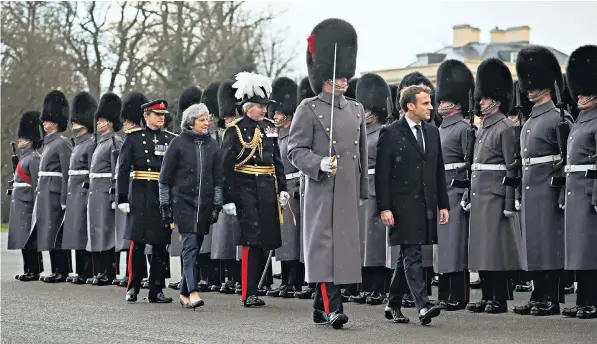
82,110
24,185
542,217
416,78
455,83
52,187
351,91
210,99
100,211
395,107
494,230
581,192
323,146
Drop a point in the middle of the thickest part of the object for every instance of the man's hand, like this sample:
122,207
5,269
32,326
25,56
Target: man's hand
596,208
562,206
387,218
284,196
465,206
517,205
326,164
230,209
63,206
361,202
444,215
166,211
509,213
124,207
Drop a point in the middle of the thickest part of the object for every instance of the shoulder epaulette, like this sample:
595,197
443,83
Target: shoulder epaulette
171,133
232,123
132,130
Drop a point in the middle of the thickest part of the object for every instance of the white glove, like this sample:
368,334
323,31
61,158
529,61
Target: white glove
509,213
517,204
361,202
113,205
230,209
596,208
326,164
284,196
63,206
562,206
124,207
465,206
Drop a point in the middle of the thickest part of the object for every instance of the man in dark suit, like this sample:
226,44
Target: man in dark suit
411,185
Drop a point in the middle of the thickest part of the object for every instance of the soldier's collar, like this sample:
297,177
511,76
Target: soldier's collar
373,127
543,108
339,99
488,121
82,138
283,132
51,137
587,115
26,151
451,120
103,138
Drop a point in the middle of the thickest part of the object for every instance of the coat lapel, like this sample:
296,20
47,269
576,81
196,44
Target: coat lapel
403,125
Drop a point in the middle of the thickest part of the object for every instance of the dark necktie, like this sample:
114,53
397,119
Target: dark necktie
420,137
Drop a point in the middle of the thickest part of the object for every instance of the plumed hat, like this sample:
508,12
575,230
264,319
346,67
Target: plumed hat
109,108
55,109
227,103
581,71
30,128
304,90
189,96
284,92
131,108
494,81
320,52
537,69
82,110
374,94
351,90
454,81
252,88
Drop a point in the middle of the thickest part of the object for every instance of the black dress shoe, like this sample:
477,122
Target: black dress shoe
174,285
215,287
204,286
495,307
288,292
526,308
79,280
131,296
319,317
116,281
337,319
159,298
253,301
476,284
145,284
263,291
346,295
477,307
361,298
237,288
569,290
427,313
305,294
69,279
55,278
124,282
407,301
28,277
276,291
101,280
524,288
435,281
374,299
589,312
452,305
89,280
571,312
546,309
395,315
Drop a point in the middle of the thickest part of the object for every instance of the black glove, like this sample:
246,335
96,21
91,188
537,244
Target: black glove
166,210
215,213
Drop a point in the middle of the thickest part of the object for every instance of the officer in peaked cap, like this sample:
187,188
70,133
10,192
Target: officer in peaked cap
542,214
581,192
454,84
22,196
141,154
53,176
82,109
330,214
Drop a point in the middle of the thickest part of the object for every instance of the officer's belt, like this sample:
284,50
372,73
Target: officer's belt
49,174
488,167
20,185
293,175
371,171
541,160
100,175
78,172
146,175
578,168
453,166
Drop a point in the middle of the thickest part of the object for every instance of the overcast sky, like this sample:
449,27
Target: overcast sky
392,32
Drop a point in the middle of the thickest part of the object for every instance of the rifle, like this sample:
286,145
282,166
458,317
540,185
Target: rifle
562,132
517,164
113,162
470,150
15,163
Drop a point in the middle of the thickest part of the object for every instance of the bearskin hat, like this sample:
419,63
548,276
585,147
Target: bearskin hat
131,108
55,109
582,71
320,52
569,99
210,99
414,78
109,108
537,69
454,81
351,91
227,103
168,119
30,128
189,96
82,110
304,90
494,81
284,92
395,108
526,104
374,94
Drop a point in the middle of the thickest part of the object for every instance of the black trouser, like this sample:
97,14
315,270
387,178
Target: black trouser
495,286
292,274
454,286
105,263
586,283
429,274
519,277
546,286
84,264
409,275
33,262
328,298
61,262
374,278
232,270
251,269
138,267
208,270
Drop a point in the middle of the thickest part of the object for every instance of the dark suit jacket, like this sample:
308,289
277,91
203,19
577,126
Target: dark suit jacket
410,183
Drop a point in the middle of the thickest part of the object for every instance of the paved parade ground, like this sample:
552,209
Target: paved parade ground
36,312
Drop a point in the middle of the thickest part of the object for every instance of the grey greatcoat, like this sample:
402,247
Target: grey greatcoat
494,239
300,222
542,221
451,251
51,192
75,217
372,230
330,215
581,196
21,206
290,249
100,212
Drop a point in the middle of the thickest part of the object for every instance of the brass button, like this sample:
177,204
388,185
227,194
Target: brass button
144,142
358,115
327,129
146,151
142,134
149,169
147,160
338,156
334,141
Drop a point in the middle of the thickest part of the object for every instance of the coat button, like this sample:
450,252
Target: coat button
338,156
528,187
354,157
147,160
142,134
320,116
480,141
356,142
358,115
144,142
569,193
474,194
528,131
334,141
526,168
149,169
146,151
327,129
525,149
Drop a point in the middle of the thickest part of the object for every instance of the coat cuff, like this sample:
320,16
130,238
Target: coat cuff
123,198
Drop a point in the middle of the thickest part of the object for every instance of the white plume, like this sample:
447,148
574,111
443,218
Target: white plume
250,84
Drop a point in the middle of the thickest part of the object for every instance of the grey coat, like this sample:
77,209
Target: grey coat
494,239
330,215
100,212
542,221
21,201
302,206
290,249
51,192
75,217
581,196
451,251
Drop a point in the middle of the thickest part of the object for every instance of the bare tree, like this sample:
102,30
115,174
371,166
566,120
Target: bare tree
274,59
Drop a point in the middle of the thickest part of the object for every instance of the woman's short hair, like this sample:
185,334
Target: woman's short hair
409,95
191,113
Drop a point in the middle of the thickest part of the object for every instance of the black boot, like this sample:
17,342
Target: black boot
526,308
361,298
374,299
288,292
305,294
477,307
495,307
545,309
253,301
407,301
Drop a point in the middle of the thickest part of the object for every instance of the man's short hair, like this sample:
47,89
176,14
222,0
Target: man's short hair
409,95
247,105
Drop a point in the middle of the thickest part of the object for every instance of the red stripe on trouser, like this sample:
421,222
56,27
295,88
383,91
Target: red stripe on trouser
326,300
130,264
244,272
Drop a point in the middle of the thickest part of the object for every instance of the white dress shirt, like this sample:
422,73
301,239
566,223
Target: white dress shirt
412,124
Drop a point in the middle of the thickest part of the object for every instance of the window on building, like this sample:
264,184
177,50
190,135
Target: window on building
513,56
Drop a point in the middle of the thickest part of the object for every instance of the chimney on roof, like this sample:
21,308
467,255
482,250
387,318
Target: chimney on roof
498,35
464,34
520,34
